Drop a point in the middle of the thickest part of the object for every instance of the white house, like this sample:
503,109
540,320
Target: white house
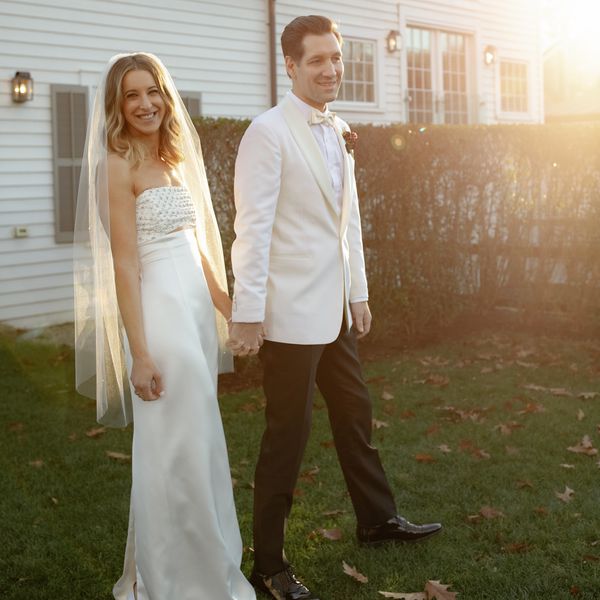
456,61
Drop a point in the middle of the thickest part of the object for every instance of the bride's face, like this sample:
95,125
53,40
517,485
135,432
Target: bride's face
143,106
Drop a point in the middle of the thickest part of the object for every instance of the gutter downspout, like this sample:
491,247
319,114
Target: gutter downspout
272,52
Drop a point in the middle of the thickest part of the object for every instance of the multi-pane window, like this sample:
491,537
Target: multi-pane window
358,84
438,78
193,103
514,94
69,122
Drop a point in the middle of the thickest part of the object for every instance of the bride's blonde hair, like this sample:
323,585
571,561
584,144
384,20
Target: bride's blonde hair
118,138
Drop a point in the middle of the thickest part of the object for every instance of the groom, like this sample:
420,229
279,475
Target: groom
300,284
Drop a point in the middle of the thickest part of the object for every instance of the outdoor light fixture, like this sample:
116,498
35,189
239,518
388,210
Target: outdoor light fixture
22,87
393,41
490,54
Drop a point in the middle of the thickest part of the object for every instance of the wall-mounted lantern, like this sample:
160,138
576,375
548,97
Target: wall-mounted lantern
22,87
490,55
393,41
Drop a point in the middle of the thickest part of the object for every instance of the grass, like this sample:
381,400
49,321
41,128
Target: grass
64,503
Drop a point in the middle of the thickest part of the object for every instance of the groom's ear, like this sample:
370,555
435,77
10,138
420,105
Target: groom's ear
290,67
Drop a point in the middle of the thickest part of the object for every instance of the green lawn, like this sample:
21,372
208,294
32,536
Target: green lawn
64,502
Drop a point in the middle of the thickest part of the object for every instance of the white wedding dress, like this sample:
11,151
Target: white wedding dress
184,541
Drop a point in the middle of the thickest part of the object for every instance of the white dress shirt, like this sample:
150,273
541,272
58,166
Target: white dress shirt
329,145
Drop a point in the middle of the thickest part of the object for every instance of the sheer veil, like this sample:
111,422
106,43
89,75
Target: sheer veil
100,370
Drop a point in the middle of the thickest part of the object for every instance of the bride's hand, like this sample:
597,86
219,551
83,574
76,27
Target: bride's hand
146,379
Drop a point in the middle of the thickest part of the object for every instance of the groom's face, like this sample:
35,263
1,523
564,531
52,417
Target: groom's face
317,76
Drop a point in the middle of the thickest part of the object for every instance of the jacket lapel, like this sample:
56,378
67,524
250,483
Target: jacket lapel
301,132
348,181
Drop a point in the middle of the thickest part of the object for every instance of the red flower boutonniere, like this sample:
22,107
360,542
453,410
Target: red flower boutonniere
350,138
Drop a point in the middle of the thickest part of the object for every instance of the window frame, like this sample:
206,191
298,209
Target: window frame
192,95
513,116
376,106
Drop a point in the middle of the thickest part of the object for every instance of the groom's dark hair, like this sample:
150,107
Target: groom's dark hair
294,33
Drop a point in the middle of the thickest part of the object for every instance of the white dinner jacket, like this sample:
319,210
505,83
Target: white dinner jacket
298,256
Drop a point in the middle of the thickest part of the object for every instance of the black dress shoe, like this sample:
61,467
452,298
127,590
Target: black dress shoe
281,586
397,529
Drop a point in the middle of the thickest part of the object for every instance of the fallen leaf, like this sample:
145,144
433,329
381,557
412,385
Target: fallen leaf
37,463
541,510
591,558
567,495
118,456
561,392
566,466
488,512
424,458
328,444
309,475
333,513
95,432
405,595
588,395
439,591
580,415
16,427
532,408
517,548
574,590
432,429
524,483
385,395
526,365
334,534
444,448
407,414
437,380
352,572
376,424
585,446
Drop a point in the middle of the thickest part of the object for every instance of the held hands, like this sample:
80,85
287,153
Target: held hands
146,379
361,315
245,339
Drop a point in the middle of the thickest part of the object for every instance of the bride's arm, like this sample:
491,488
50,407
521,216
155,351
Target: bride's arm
219,296
123,238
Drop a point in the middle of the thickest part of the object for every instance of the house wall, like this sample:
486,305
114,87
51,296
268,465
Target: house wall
219,48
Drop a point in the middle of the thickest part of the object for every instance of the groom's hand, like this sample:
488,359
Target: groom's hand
245,339
361,315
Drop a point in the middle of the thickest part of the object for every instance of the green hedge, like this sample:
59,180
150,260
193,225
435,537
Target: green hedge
462,219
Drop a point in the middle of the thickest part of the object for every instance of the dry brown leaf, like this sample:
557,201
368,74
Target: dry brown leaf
437,380
588,395
444,448
385,395
526,365
95,432
432,429
532,408
334,534
439,591
37,463
541,510
309,475
534,387
352,572
16,427
517,548
561,392
524,483
405,595
488,512
585,446
118,456
567,495
424,458
376,424
333,513
580,415
407,414
566,466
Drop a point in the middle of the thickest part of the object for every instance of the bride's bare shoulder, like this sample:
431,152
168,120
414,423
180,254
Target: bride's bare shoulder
119,168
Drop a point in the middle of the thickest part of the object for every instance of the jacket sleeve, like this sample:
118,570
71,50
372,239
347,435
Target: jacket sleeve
256,189
358,278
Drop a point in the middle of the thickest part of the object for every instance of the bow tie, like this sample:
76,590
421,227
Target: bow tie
317,117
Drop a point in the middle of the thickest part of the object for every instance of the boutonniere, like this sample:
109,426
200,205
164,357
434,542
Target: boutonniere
350,137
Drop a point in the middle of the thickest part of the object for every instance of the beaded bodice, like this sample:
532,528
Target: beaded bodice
161,210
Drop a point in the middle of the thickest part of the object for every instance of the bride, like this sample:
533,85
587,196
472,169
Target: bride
149,274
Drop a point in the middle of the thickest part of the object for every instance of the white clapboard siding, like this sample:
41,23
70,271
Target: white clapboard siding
220,49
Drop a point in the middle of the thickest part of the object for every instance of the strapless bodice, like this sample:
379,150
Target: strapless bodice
161,210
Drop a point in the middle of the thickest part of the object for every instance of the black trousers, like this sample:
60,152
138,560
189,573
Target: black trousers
290,374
